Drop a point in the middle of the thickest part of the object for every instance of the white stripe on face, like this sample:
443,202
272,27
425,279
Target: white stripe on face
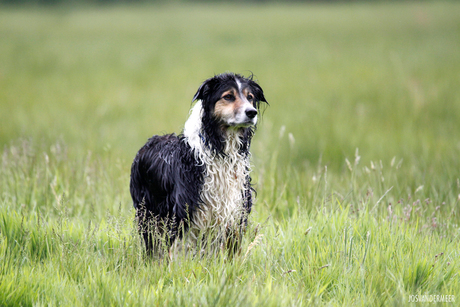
234,108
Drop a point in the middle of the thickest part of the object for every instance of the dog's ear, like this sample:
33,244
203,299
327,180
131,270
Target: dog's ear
203,90
257,91
200,93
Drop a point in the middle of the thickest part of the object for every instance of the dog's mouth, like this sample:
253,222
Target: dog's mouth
246,124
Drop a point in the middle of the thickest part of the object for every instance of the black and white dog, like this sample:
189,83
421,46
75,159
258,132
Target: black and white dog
197,183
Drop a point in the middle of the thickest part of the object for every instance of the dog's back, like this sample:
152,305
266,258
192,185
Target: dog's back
165,186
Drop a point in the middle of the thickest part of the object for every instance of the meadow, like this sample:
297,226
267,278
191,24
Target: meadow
356,159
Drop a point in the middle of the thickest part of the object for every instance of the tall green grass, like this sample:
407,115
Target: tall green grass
355,160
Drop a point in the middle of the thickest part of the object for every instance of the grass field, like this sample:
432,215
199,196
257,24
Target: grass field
356,160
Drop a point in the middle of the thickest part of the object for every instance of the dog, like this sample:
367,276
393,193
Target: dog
197,185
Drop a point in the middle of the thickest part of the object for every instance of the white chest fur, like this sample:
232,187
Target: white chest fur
223,187
224,181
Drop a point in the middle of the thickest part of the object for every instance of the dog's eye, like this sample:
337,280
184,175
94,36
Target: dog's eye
250,98
229,97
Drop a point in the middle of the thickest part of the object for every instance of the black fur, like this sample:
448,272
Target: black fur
166,178
165,185
209,92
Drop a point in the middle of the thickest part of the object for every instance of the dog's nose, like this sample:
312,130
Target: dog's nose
251,113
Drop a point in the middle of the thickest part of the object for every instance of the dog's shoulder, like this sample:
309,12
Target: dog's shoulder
156,144
165,170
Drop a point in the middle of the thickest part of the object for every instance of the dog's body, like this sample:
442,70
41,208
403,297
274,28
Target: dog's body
198,183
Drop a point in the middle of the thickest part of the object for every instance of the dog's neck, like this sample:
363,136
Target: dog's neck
196,137
192,128
225,177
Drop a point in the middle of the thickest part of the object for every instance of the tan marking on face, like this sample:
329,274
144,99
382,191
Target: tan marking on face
248,95
225,109
231,108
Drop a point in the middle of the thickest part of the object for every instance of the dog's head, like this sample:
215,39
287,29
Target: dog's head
231,100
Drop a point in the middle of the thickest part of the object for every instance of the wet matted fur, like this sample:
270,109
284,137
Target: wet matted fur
196,186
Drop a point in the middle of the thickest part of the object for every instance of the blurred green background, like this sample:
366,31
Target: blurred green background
357,155
379,77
